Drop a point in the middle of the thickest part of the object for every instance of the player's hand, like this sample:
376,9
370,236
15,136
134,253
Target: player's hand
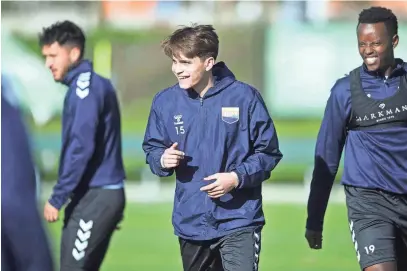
314,239
50,212
172,156
224,183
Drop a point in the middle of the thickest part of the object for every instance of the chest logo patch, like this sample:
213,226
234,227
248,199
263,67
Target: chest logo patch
230,114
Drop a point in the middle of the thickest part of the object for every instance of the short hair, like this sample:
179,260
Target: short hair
380,15
192,41
65,33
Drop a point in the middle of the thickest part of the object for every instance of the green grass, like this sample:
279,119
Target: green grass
146,241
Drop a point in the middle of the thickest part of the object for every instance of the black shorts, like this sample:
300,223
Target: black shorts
239,251
378,225
89,223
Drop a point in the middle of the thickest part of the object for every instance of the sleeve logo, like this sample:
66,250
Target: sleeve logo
82,85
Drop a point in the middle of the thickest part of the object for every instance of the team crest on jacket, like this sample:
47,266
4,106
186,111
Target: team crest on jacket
230,114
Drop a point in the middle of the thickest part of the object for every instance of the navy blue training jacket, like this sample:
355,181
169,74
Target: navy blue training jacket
91,154
373,159
24,244
229,129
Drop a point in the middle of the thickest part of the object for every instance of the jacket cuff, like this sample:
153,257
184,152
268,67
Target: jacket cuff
159,164
57,201
241,177
162,162
314,224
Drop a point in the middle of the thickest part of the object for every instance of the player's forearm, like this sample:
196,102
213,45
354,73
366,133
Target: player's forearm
320,190
328,152
317,204
71,172
65,186
257,168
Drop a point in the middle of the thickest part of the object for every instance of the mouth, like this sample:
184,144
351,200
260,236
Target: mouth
182,77
370,60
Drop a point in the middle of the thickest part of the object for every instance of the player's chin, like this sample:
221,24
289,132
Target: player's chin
373,67
184,85
57,78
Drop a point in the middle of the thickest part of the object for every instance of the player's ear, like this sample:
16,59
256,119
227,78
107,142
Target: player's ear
395,40
74,54
209,62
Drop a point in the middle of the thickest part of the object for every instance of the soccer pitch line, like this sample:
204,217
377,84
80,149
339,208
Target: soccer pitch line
156,192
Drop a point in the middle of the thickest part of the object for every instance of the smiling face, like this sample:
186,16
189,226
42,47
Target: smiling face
192,72
376,46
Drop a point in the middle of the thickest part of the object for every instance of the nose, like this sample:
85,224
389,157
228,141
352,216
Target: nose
48,62
369,50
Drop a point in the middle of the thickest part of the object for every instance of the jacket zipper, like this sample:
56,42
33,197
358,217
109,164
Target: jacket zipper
205,232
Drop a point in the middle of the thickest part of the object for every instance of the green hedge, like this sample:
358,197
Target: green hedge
134,121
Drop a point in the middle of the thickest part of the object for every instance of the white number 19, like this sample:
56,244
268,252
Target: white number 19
369,249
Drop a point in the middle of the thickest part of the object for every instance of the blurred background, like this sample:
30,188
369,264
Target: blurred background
292,51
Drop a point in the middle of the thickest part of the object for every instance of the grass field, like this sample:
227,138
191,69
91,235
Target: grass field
146,241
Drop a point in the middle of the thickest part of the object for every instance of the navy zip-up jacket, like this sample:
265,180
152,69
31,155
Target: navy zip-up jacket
91,154
373,159
24,244
229,129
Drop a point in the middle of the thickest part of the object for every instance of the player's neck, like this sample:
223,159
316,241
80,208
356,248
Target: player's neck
389,68
204,85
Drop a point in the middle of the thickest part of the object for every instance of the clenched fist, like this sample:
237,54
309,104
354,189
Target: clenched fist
50,212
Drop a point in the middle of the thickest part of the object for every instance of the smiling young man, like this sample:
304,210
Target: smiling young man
216,134
368,111
91,172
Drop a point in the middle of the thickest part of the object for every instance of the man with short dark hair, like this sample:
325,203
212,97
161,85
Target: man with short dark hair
368,111
216,134
91,172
